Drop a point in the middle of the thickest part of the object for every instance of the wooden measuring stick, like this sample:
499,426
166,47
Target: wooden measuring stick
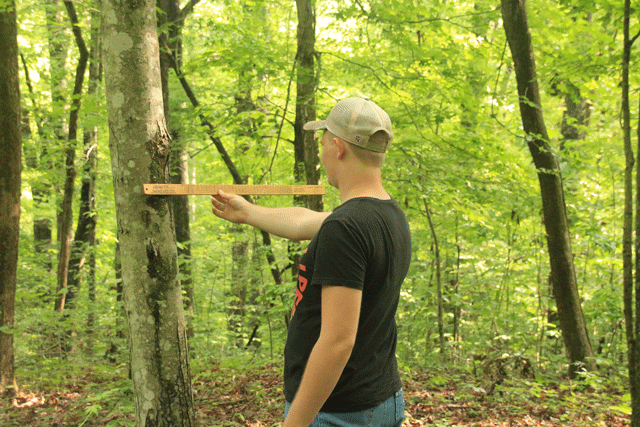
209,189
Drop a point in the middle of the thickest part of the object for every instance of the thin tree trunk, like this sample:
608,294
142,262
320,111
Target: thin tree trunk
140,147
85,235
635,418
56,151
31,159
181,217
575,116
563,276
10,180
237,296
172,19
304,164
43,192
306,156
231,167
457,309
627,237
65,226
91,168
30,156
632,324
438,281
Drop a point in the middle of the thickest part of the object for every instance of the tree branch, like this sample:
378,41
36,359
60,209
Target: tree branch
26,74
80,69
284,114
448,19
237,178
187,9
34,105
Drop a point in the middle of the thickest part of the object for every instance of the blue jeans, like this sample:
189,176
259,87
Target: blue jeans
387,414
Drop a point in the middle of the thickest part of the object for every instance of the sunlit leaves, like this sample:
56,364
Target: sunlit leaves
440,70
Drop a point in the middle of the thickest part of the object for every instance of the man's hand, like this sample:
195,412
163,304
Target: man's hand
294,222
231,207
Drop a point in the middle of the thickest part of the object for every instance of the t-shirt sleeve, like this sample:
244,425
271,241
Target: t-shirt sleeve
341,256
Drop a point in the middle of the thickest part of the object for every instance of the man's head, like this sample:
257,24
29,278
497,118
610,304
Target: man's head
356,121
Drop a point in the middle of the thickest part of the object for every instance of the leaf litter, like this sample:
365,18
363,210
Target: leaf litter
253,397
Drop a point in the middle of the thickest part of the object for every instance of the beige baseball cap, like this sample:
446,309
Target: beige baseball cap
355,120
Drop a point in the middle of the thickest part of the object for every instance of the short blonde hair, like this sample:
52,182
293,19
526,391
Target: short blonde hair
368,157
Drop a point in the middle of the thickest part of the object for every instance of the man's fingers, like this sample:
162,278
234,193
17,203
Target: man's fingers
218,202
220,196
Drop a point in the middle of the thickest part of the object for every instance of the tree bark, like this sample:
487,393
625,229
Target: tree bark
85,235
140,147
56,149
576,114
172,19
44,192
10,169
66,218
181,217
236,297
563,275
307,160
305,147
627,237
436,249
635,404
632,322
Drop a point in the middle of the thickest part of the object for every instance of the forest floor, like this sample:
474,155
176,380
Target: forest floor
234,396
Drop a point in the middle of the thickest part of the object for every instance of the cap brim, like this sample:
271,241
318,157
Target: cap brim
315,125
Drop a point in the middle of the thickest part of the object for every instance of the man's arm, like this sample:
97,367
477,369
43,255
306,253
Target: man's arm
340,315
293,223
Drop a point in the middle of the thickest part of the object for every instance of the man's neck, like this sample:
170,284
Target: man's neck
363,188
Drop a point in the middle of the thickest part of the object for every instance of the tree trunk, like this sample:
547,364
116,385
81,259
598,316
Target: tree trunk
237,295
457,306
231,167
85,235
576,114
240,266
30,153
635,404
180,204
66,218
631,326
563,275
43,192
436,249
171,19
306,156
140,146
10,169
305,146
56,149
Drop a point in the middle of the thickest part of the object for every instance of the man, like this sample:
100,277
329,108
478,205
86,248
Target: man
340,364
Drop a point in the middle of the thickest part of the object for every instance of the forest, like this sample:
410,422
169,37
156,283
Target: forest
515,127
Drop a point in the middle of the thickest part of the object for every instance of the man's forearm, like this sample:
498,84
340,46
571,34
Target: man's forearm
294,223
325,365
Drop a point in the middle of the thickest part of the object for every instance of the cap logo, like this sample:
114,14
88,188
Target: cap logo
358,138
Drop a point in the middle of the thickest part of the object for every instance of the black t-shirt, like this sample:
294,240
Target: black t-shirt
364,244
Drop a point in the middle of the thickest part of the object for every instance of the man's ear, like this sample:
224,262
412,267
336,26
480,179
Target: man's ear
341,146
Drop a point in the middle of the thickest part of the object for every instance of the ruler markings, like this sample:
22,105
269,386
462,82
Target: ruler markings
208,189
